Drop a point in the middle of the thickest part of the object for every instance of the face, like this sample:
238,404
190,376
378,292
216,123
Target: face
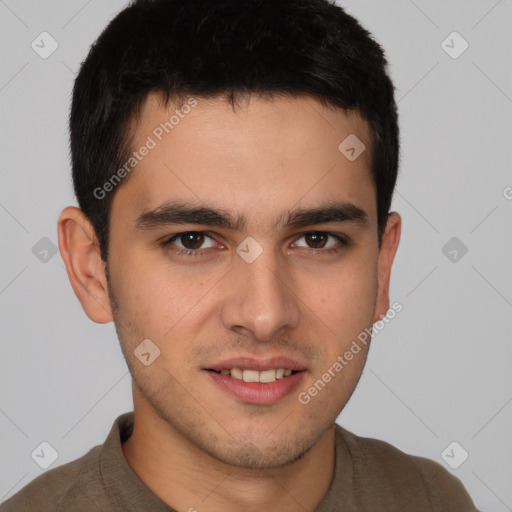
271,291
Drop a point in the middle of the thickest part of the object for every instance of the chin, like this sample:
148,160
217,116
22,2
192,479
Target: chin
265,455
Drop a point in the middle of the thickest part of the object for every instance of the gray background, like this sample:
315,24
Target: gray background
438,373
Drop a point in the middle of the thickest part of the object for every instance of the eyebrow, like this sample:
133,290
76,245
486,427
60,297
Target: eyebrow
170,213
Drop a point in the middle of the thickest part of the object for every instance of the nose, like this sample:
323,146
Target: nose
260,300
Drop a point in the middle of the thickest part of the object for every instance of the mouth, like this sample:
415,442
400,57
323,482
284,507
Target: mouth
248,375
256,382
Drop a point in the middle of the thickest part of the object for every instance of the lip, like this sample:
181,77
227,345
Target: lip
251,363
256,392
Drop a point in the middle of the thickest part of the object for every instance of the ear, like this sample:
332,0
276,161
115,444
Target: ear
389,245
80,251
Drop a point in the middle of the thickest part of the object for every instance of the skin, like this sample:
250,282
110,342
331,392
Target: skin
193,445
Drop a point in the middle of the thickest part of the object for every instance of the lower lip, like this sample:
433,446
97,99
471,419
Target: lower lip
257,392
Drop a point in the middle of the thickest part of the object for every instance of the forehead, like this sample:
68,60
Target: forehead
261,157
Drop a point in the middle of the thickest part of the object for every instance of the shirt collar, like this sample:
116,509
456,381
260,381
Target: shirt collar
123,486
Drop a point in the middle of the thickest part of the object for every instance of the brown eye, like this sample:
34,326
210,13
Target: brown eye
192,239
316,240
323,242
190,242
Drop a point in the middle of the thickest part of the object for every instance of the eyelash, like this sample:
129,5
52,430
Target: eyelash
167,244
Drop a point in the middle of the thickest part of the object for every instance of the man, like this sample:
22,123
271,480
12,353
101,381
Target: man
234,162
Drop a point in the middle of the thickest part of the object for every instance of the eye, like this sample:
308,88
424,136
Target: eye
317,241
189,242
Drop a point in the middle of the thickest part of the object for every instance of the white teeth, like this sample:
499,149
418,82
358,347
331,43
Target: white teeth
264,376
251,376
267,376
236,373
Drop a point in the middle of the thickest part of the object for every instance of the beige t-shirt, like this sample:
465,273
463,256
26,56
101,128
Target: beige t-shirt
370,475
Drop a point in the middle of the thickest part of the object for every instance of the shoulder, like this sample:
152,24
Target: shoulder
54,490
382,466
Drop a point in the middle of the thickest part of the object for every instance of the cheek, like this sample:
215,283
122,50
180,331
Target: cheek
160,299
343,296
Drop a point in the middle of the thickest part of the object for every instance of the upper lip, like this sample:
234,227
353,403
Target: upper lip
251,363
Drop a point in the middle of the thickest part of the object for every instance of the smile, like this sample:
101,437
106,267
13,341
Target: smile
263,387
265,376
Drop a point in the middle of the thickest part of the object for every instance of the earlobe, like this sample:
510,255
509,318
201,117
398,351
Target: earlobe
389,246
79,249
